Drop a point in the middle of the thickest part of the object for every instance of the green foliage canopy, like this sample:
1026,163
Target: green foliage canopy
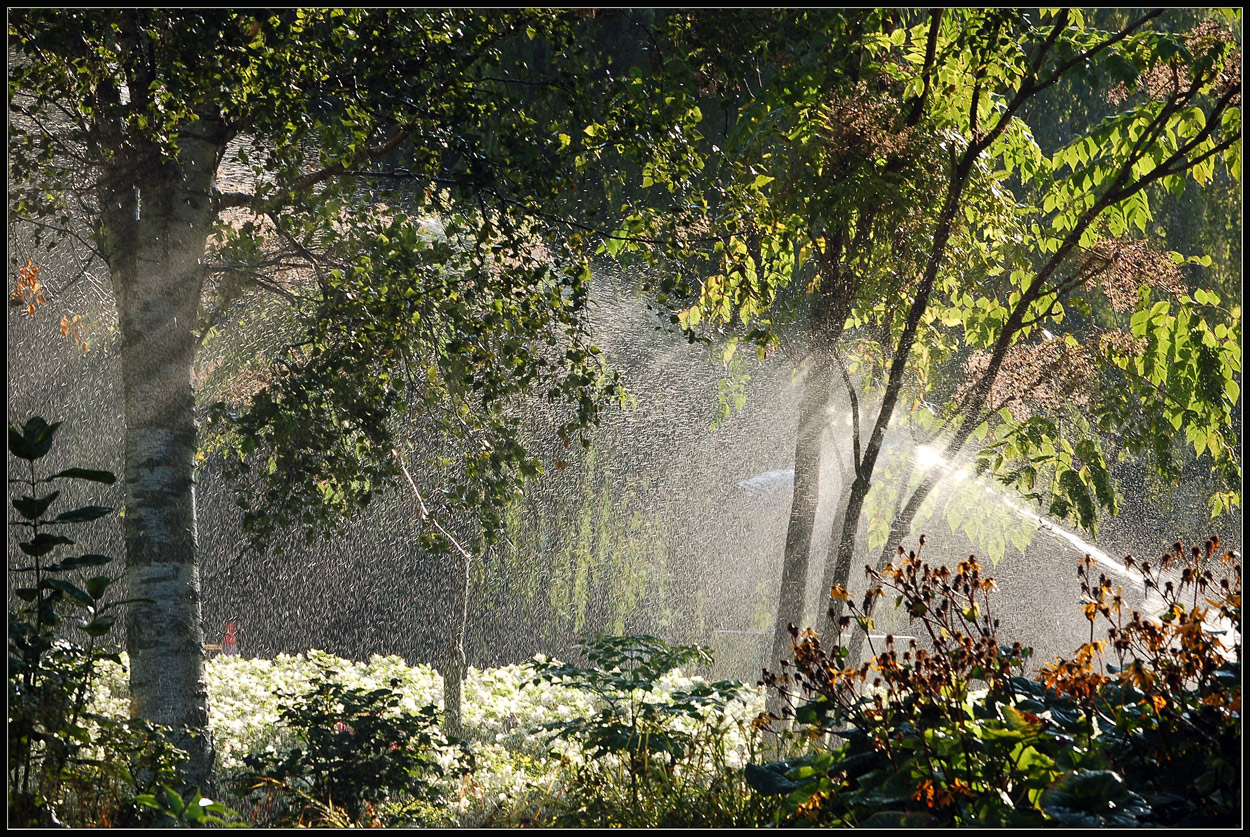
859,149
393,173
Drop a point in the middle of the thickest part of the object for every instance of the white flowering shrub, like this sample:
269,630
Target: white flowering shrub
509,718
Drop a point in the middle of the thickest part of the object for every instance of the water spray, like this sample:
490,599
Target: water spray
927,458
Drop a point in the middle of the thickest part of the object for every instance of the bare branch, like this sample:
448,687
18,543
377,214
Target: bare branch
423,511
850,391
64,231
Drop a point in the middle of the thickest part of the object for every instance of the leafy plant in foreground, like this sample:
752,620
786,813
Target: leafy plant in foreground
947,733
1168,710
193,811
67,765
359,755
652,759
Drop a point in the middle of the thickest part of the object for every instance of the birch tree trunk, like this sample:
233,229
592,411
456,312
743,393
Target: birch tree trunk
158,217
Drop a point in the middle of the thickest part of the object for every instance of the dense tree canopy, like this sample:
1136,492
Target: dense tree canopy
388,172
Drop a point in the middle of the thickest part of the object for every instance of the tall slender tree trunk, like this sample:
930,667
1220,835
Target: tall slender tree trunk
842,545
452,573
452,663
813,420
831,310
158,219
900,526
845,541
829,576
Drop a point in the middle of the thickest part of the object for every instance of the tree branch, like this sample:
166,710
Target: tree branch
423,511
1094,50
313,178
930,54
230,200
850,391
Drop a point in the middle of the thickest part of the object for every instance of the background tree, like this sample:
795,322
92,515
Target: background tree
1092,198
899,189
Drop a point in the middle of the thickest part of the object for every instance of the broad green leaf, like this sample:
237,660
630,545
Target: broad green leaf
70,589
43,543
32,508
82,515
97,585
106,477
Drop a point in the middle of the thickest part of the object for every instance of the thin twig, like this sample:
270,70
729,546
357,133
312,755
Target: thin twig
423,511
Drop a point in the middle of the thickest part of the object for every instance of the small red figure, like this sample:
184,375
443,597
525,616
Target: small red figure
230,645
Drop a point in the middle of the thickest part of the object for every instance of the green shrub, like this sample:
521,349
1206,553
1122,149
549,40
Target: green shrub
361,762
649,760
949,733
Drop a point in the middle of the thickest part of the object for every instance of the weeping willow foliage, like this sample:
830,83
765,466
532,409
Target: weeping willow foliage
599,564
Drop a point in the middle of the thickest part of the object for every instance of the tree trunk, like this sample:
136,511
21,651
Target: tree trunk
829,577
451,573
157,222
900,526
832,306
813,420
842,547
845,541
452,663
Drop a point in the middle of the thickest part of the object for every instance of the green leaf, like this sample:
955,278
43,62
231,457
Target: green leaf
42,544
1093,799
1016,720
18,446
78,562
34,440
1120,69
70,589
105,477
97,585
100,625
32,508
82,515
173,801
772,779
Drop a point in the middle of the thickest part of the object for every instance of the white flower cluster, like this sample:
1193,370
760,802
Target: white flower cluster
504,713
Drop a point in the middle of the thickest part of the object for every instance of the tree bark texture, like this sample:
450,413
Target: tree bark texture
155,240
832,307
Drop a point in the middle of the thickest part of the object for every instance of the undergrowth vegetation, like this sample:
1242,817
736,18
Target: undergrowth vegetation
1140,727
72,762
